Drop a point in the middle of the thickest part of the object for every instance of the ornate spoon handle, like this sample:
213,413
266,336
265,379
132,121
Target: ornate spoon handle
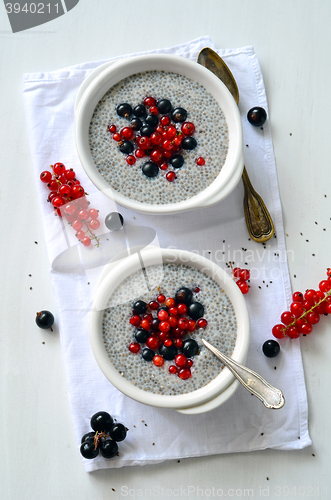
258,220
253,382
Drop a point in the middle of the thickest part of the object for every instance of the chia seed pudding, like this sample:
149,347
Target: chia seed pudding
146,285
211,134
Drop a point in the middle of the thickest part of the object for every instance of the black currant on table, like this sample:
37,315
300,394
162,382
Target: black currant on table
88,450
151,120
147,130
136,123
168,352
271,348
190,348
177,161
139,307
189,143
147,354
118,432
108,448
89,436
184,295
164,106
44,319
101,421
139,111
124,110
126,147
179,115
114,221
141,335
257,116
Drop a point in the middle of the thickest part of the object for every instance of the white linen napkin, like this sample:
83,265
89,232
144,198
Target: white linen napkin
219,233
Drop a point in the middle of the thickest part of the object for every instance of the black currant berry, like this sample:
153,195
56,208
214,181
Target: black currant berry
184,295
271,348
177,161
168,352
108,448
141,335
44,319
136,123
190,347
139,111
189,143
118,432
146,130
101,421
195,310
88,451
126,147
257,116
178,115
148,354
164,106
155,324
114,221
150,169
140,307
124,109
151,120
89,436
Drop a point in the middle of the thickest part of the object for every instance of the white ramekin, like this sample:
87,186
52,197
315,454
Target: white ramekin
215,392
103,79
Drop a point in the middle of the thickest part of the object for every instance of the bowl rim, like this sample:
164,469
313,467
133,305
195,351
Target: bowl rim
231,171
152,256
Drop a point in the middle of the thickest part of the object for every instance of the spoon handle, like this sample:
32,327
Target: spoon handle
258,219
253,382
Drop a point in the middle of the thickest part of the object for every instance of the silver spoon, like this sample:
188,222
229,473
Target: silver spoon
253,382
258,220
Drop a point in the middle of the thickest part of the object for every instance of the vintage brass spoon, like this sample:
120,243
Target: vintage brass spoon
270,396
258,219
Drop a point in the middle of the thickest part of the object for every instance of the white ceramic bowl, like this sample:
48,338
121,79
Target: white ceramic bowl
98,84
213,390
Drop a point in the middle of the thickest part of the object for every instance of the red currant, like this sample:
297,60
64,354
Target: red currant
87,241
183,323
173,311
167,145
93,213
153,342
112,129
94,224
313,317
306,329
168,342
278,331
328,308
297,309
244,274
201,161
153,110
135,320
156,138
172,369
202,323
154,305
236,272
181,360
149,101
190,362
156,155
158,360
80,235
139,153
59,168
287,317
293,332
145,324
130,160
191,325
325,286
171,176
177,332
117,137
70,174
184,373
160,299
178,343
65,190
58,201
53,186
307,304
77,191
83,214
297,297
188,128
144,142
169,302
244,288
165,120
163,315
310,295
127,133
171,132
77,225
164,326
182,308
134,347
46,176
173,321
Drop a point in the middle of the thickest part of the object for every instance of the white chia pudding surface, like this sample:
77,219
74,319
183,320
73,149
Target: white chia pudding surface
146,285
211,134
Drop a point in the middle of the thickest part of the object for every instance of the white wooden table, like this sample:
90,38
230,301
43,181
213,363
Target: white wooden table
292,39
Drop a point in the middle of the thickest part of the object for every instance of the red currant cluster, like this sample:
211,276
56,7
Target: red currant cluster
68,199
158,131
305,311
241,276
167,331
